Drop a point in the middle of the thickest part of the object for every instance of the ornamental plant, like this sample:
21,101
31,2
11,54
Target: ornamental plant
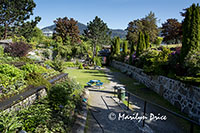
18,49
192,63
141,45
33,68
9,75
191,31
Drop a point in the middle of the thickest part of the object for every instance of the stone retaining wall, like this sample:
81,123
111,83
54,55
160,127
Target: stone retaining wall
28,97
183,96
28,100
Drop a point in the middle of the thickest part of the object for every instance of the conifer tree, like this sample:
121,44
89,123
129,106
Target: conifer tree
141,44
132,50
146,35
125,47
117,43
191,31
98,32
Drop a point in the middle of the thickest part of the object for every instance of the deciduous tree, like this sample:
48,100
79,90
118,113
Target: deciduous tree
172,31
145,25
67,28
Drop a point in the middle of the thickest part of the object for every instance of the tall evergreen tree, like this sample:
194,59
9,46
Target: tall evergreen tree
117,43
141,44
191,31
146,35
150,26
98,32
125,47
132,49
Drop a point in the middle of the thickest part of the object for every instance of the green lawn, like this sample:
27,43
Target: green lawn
83,75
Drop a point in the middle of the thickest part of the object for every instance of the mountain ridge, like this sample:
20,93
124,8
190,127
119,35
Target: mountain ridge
115,32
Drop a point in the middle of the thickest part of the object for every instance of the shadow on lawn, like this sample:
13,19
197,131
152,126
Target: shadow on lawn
97,90
99,75
94,72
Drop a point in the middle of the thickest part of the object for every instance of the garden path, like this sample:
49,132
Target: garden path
102,104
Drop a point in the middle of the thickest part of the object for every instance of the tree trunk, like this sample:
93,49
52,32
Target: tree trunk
94,50
5,31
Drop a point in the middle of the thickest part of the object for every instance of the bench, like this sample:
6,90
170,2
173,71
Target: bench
99,84
91,82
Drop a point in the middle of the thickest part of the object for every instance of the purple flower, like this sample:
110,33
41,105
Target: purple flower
61,106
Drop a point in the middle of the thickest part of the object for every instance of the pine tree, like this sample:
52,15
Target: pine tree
141,44
191,31
98,32
125,47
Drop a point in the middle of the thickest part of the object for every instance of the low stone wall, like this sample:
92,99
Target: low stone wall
28,100
28,97
183,96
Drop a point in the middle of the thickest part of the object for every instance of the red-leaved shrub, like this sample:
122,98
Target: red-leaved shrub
18,49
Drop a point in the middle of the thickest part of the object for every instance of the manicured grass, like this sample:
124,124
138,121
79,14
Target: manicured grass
84,75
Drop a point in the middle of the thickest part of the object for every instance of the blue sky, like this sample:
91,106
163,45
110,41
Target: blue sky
116,13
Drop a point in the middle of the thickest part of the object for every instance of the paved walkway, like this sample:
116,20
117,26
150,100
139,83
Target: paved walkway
104,112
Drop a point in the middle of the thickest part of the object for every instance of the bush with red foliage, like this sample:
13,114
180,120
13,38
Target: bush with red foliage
18,49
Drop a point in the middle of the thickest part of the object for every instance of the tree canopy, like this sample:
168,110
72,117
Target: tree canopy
14,14
191,31
146,25
172,31
98,32
67,29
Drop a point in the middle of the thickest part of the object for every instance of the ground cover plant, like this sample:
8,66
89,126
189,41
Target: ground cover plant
14,80
53,113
